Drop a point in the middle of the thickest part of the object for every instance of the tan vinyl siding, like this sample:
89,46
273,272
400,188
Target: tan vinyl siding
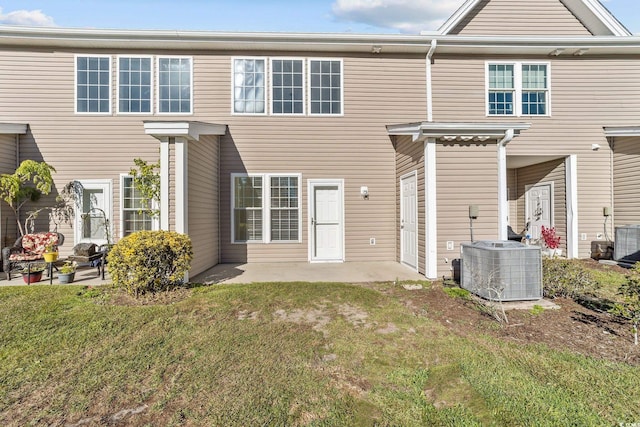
466,175
8,227
410,158
553,171
356,147
586,95
203,209
521,17
512,197
626,180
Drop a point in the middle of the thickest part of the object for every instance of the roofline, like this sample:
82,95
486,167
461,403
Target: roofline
591,13
177,39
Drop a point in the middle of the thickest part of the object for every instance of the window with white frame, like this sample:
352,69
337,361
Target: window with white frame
325,84
134,85
134,214
249,96
266,208
287,86
93,84
516,89
174,85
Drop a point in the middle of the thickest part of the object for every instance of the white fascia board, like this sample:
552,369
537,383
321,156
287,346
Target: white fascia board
457,16
613,131
596,18
13,128
211,40
185,129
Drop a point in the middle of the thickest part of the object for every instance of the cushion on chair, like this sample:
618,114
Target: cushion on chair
24,256
38,242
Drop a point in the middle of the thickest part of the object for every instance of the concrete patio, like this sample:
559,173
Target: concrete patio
349,272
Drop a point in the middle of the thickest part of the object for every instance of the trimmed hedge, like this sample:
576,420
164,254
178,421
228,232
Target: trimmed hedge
150,261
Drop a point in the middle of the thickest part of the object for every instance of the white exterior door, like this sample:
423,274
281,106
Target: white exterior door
539,207
326,221
93,212
409,221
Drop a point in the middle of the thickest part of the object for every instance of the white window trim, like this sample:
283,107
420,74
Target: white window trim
157,86
267,85
308,89
155,225
151,100
107,186
266,207
304,85
517,77
75,85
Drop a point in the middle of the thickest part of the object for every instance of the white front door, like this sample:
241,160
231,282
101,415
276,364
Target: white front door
409,221
539,208
326,220
93,212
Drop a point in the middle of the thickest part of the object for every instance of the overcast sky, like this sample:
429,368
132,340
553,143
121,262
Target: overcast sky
359,16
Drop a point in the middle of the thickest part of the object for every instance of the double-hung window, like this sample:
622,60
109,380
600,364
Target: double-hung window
249,96
287,86
134,85
93,84
174,85
135,215
325,86
518,89
266,208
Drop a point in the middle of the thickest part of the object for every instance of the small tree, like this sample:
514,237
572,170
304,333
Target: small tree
629,309
146,180
28,183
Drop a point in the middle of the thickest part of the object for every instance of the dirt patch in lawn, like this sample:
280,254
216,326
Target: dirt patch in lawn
572,327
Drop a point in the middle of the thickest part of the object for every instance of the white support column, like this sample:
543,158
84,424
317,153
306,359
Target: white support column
571,169
182,188
164,183
503,204
431,216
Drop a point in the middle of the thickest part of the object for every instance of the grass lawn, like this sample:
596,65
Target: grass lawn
282,354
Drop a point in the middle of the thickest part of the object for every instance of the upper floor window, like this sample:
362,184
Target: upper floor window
249,96
174,85
134,214
325,86
287,86
93,84
516,89
134,85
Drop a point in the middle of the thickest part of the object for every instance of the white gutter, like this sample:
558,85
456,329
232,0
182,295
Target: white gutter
503,204
432,50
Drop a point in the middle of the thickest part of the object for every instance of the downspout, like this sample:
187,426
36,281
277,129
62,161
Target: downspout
503,207
432,50
431,219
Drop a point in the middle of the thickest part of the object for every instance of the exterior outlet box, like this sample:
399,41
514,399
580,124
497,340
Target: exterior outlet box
449,245
372,241
583,236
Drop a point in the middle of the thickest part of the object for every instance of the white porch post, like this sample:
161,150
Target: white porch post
571,169
182,188
431,216
503,204
164,183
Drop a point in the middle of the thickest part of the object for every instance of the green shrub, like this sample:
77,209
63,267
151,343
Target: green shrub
150,261
457,293
567,278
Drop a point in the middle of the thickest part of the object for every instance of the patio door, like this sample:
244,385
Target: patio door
93,212
409,220
326,221
539,207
